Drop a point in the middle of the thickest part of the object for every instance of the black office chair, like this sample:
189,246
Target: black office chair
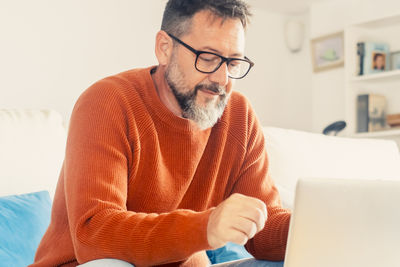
334,128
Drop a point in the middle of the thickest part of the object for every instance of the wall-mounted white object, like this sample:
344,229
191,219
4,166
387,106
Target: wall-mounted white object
294,35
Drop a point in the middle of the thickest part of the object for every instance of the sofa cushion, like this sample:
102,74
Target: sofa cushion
23,221
296,154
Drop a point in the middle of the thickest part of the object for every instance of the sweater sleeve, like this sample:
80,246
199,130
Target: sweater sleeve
96,171
254,180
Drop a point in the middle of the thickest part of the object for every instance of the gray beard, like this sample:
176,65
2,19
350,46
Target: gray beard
205,117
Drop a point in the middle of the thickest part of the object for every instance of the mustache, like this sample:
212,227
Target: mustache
211,87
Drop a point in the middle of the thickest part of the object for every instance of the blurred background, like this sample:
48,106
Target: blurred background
52,50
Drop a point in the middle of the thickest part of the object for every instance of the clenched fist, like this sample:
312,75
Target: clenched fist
237,219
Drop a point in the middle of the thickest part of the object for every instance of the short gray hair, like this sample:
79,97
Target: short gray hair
178,13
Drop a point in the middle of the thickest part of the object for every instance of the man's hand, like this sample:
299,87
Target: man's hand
237,219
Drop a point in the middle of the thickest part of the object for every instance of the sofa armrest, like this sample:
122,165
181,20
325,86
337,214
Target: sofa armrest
294,154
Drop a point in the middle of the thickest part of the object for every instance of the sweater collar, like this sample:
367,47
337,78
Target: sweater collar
153,101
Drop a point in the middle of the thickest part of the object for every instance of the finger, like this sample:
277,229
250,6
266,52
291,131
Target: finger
257,203
251,202
256,213
256,216
246,226
261,220
236,236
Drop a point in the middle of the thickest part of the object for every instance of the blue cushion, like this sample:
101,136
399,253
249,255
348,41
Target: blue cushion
229,252
23,221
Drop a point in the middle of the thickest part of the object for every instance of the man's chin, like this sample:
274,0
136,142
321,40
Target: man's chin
206,124
205,117
206,100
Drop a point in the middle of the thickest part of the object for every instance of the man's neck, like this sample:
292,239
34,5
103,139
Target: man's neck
164,91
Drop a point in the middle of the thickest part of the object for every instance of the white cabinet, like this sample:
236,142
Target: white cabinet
385,30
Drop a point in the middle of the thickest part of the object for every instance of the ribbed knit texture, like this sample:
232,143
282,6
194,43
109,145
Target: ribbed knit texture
139,183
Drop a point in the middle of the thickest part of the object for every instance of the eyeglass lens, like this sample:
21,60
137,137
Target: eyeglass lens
208,62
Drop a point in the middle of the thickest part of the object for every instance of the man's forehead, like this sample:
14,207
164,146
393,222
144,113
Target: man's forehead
211,30
206,19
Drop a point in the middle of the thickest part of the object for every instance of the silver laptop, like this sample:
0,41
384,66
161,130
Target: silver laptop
345,223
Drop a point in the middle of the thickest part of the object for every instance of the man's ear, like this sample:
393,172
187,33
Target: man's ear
164,46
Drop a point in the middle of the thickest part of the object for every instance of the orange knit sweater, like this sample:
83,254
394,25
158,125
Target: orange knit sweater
138,183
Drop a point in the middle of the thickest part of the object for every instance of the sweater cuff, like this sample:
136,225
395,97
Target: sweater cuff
200,232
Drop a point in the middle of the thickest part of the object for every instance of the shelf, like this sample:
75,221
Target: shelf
380,22
377,134
387,83
378,77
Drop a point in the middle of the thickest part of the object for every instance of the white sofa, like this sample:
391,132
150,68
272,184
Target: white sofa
296,154
32,144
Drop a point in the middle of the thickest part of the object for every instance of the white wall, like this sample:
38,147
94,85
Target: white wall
51,51
328,102
279,87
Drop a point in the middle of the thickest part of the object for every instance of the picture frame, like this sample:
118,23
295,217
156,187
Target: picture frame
373,57
395,60
327,51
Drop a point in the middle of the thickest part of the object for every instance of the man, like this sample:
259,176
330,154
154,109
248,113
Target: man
379,61
167,162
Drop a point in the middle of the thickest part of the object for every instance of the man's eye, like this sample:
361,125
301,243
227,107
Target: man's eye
209,58
235,64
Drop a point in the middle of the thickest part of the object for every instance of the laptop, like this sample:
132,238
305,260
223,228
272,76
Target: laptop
345,223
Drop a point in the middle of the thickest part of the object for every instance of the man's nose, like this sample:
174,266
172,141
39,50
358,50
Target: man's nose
221,76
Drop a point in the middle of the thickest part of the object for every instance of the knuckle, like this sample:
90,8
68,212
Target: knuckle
260,204
240,239
255,214
258,219
252,230
237,196
261,215
248,228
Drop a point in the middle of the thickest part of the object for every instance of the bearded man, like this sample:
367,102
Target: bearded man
167,162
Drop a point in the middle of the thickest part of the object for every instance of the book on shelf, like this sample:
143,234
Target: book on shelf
372,57
371,113
393,120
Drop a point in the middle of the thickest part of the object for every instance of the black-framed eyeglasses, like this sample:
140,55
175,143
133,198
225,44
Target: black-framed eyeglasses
208,62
